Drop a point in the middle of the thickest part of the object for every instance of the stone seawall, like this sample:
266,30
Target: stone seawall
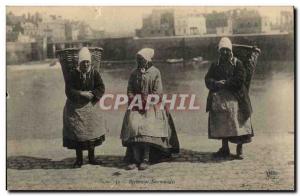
273,46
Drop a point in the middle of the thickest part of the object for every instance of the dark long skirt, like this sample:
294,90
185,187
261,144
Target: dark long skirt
160,147
226,120
83,126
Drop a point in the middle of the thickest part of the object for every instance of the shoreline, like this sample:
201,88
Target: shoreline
36,167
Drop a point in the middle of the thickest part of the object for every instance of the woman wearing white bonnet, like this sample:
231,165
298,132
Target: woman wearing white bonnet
149,134
83,126
225,43
145,54
228,102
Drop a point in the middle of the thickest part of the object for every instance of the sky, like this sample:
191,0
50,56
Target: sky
123,19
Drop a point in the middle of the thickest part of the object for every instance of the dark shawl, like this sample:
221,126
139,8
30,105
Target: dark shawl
235,75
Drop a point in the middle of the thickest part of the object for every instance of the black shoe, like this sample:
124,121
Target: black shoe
95,162
222,153
239,152
143,166
77,164
131,166
239,157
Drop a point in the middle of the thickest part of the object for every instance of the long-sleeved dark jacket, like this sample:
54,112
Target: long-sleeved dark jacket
235,75
77,83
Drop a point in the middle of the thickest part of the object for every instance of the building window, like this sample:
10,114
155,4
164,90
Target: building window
194,30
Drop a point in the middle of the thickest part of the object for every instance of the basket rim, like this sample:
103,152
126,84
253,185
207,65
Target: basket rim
251,47
77,49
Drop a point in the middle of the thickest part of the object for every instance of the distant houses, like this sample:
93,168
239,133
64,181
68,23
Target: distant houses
169,22
286,21
159,23
31,28
191,23
218,22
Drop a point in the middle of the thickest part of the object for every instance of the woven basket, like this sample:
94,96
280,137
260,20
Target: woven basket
249,56
243,52
68,59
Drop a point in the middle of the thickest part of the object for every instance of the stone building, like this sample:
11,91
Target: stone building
249,22
286,21
52,27
159,23
189,23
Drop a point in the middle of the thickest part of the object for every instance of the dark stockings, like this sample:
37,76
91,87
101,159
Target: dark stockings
225,145
239,149
91,155
141,153
79,159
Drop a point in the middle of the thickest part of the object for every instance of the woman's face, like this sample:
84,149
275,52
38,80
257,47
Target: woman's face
141,61
225,54
84,66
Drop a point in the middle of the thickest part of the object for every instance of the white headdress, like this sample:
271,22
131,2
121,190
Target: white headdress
225,43
146,53
84,55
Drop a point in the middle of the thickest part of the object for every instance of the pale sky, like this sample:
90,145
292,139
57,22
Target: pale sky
123,19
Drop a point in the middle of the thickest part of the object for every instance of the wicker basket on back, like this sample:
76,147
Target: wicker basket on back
249,56
68,59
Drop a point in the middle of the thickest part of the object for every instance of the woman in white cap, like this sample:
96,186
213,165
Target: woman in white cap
83,126
149,134
228,102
